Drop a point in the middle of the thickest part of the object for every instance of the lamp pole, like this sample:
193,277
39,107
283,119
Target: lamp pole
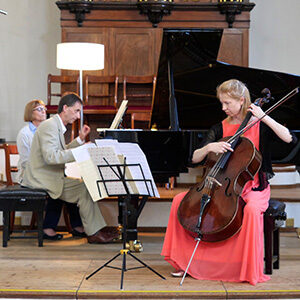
81,97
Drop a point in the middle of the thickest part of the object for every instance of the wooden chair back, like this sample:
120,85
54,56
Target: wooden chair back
9,169
101,90
140,117
139,91
67,84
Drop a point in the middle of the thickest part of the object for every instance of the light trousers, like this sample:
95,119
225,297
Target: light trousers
75,191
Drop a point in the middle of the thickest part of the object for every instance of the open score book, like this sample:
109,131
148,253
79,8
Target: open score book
89,156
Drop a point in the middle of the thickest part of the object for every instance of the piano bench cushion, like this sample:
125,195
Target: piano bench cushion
21,198
276,210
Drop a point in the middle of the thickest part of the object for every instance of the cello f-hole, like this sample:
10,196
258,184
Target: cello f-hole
200,188
226,190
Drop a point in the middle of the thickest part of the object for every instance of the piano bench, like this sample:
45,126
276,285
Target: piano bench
274,217
17,198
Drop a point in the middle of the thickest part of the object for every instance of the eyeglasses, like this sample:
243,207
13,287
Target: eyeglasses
41,108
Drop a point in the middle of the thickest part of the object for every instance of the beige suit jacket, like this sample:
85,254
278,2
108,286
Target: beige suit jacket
48,156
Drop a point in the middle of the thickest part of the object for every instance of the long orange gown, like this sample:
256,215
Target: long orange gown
237,259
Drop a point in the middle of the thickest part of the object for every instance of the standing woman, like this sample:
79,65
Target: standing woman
34,115
241,257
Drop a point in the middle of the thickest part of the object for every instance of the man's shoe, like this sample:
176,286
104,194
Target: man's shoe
76,233
55,237
110,230
101,237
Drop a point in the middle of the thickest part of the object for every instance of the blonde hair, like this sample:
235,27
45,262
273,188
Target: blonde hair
30,106
236,90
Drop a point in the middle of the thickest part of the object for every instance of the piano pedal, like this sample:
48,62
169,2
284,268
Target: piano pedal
120,230
135,246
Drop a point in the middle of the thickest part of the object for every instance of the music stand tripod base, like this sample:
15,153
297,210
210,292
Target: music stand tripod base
124,252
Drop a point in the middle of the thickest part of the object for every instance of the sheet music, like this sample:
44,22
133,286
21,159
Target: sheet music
80,153
134,155
89,156
88,170
118,117
97,156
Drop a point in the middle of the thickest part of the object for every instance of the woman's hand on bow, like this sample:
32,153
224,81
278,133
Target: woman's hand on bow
256,111
220,147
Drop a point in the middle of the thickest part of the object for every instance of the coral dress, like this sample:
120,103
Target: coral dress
239,258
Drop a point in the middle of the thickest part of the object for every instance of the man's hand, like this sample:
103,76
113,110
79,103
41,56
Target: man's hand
85,130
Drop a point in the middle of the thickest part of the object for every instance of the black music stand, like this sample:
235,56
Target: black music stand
121,178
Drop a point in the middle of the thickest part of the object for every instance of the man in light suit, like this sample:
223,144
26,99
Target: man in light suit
46,166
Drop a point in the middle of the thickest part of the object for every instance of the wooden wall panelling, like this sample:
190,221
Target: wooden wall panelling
90,35
135,50
128,51
234,47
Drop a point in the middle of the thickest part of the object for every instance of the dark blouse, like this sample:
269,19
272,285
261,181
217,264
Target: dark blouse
266,139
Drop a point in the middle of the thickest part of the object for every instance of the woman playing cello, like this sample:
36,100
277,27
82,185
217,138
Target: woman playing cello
239,258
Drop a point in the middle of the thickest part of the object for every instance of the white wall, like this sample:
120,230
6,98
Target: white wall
28,37
274,36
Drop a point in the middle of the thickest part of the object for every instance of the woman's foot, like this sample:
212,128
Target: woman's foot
78,232
177,273
50,234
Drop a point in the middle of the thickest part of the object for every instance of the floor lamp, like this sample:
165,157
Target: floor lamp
81,57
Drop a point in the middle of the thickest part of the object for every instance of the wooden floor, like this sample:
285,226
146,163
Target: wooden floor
58,270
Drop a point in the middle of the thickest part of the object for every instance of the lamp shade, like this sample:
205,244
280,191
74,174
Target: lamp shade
80,56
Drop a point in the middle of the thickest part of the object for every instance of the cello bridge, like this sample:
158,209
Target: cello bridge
214,180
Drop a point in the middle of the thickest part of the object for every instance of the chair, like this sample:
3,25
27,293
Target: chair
13,150
16,198
140,117
273,220
139,91
67,84
70,84
101,94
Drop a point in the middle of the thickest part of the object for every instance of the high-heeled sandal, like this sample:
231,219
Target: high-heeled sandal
177,273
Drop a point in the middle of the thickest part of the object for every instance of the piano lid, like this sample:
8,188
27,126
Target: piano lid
197,73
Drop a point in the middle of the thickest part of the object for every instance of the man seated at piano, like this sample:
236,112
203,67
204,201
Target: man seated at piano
45,168
34,115
239,258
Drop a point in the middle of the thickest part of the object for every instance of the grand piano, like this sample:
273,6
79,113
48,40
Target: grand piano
185,105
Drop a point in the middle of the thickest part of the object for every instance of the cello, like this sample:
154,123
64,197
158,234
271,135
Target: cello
212,210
